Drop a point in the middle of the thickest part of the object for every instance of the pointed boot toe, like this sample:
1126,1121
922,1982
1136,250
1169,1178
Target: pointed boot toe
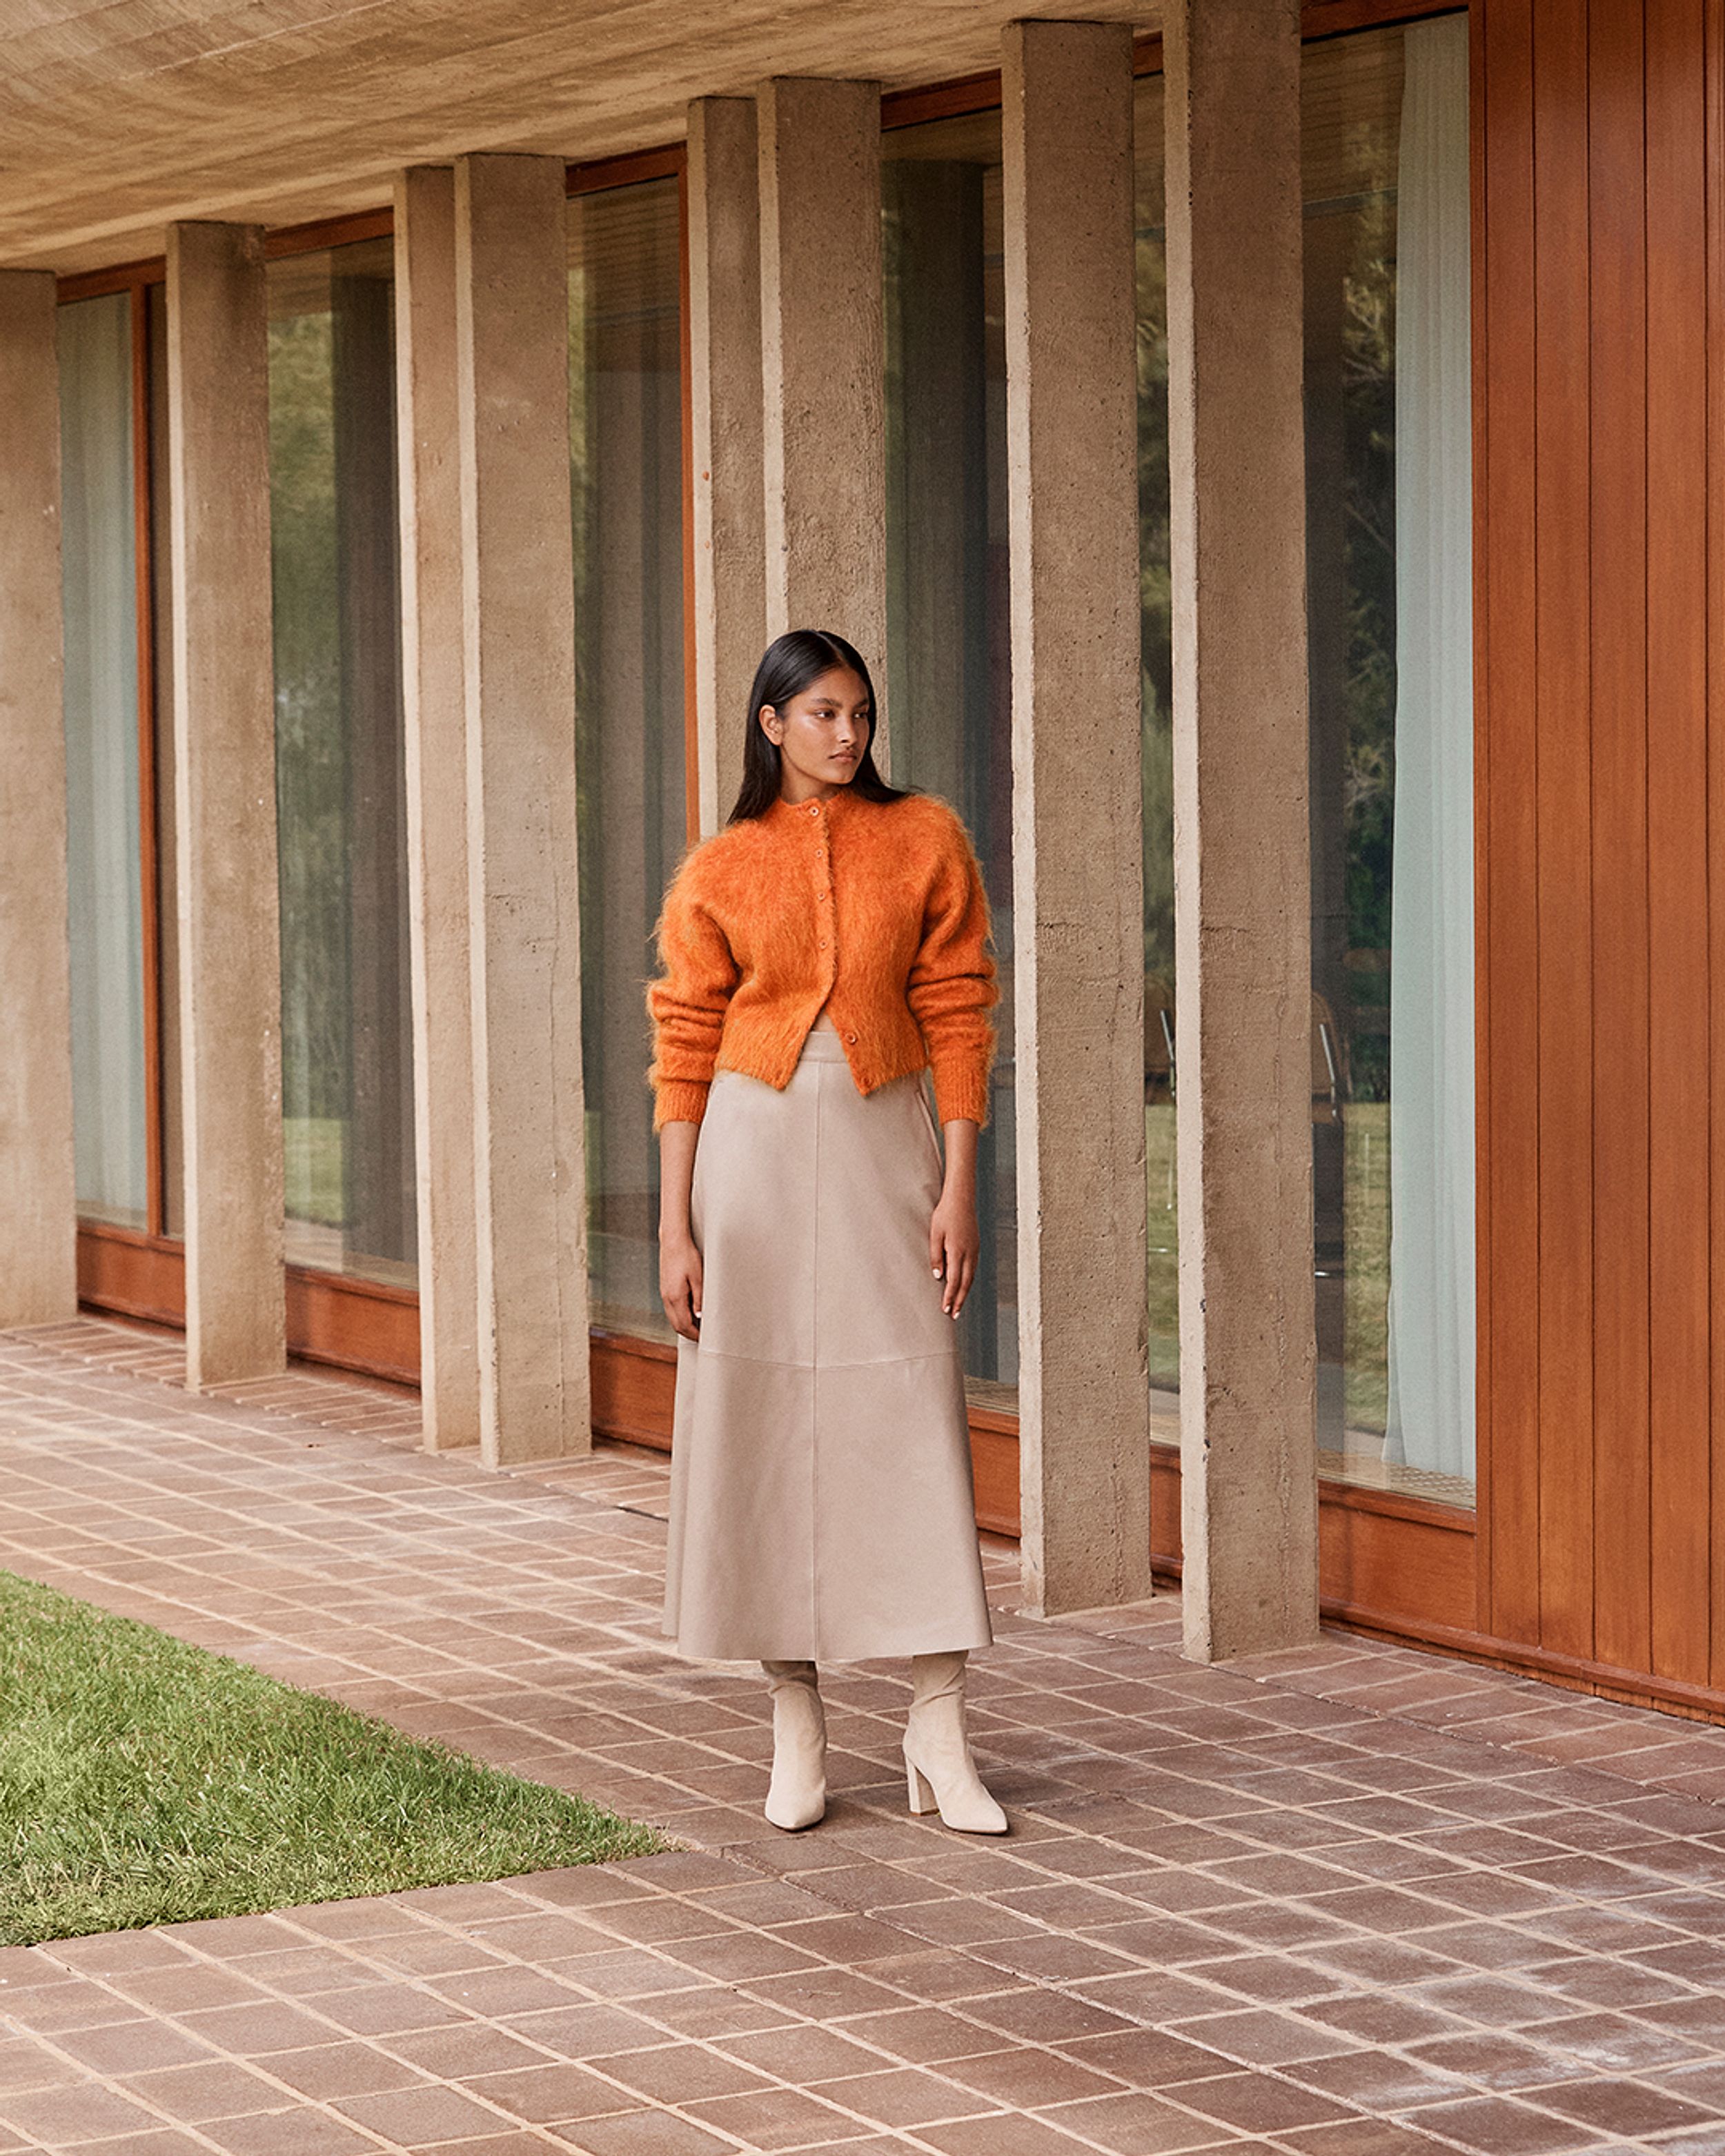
940,1773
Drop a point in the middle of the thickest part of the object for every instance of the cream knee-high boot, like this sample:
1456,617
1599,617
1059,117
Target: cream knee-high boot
798,1795
938,1767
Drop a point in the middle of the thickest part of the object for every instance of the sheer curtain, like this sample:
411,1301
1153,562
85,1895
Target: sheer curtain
1431,1296
100,600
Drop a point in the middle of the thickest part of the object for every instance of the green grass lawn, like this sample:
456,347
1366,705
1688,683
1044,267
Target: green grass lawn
143,1781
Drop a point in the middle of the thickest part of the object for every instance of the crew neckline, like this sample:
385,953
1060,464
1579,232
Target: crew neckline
810,809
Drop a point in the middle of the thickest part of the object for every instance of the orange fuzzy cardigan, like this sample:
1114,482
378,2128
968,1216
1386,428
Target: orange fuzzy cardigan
873,909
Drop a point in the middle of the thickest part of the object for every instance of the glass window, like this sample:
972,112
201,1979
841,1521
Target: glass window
161,673
99,571
1155,705
347,1040
1389,565
948,689
1388,408
626,485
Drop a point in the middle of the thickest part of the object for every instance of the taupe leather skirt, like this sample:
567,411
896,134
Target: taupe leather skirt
821,1506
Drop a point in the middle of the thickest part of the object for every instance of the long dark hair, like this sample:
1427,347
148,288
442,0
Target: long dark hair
788,665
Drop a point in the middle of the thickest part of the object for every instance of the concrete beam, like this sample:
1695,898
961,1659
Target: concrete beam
1077,816
518,611
39,1248
724,395
823,363
1242,847
225,788
433,694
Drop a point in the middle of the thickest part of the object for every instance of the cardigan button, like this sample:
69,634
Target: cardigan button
851,1038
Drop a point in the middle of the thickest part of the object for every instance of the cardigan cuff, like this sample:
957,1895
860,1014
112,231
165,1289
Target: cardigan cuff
679,1100
961,1092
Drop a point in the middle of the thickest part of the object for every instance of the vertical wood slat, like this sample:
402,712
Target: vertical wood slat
1714,74
1564,812
1617,660
1508,919
1603,1044
1479,348
1678,1060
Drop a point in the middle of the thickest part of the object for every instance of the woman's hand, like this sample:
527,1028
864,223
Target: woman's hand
954,1241
680,1277
680,1283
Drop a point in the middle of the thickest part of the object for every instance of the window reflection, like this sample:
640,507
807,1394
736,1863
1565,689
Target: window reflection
99,562
347,1105
1389,569
948,670
1156,706
626,478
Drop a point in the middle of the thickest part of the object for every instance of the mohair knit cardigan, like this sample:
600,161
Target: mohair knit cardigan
873,909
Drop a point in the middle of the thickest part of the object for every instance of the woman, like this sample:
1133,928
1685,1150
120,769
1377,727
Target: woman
817,954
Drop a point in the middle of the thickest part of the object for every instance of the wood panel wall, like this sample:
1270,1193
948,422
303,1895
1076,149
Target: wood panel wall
1602,874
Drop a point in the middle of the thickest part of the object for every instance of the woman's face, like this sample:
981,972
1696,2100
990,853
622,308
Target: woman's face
820,735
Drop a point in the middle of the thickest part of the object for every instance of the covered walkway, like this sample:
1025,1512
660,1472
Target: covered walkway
1341,1903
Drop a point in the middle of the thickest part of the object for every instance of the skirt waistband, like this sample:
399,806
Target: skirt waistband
824,1044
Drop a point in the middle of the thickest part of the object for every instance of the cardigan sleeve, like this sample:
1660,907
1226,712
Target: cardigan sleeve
687,1005
952,987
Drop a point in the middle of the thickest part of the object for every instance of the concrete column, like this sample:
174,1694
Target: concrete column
823,364
1242,874
434,700
39,1248
224,776
725,396
518,610
1066,99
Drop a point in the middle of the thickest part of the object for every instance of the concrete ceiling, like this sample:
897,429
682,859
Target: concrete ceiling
118,116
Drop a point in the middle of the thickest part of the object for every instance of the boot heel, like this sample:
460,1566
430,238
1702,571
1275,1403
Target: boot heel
920,1790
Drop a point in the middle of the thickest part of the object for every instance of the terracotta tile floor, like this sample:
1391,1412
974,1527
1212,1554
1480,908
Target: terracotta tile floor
1344,1902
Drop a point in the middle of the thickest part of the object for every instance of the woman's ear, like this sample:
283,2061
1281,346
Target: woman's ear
770,725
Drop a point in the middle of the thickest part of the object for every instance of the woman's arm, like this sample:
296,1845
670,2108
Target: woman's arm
953,986
687,1003
680,1274
954,1241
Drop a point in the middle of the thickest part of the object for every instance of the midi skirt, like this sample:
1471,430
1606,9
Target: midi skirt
821,1504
